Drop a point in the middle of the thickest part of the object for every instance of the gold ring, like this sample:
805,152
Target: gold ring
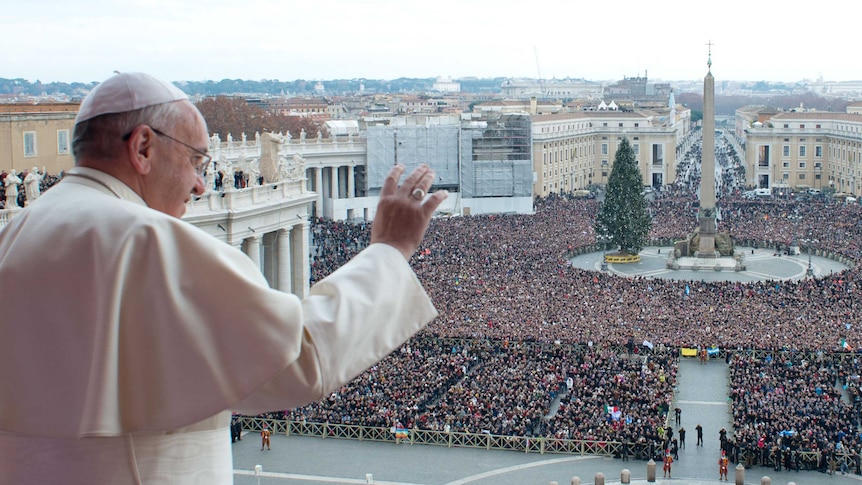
418,194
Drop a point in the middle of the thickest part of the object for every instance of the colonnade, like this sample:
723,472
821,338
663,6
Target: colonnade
341,184
281,256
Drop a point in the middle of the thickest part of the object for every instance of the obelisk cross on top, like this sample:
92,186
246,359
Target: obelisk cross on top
709,56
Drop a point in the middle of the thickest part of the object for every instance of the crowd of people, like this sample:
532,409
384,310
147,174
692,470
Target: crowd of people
538,340
507,389
787,404
508,277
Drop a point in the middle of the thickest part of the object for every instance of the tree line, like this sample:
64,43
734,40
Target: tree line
227,114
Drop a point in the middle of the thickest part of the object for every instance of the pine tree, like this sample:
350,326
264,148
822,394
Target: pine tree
623,216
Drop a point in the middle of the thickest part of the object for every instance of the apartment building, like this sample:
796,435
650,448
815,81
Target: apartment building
37,135
805,149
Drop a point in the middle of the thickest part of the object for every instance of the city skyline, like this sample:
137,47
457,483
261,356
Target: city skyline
197,41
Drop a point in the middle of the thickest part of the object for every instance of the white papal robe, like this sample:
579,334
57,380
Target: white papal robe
128,336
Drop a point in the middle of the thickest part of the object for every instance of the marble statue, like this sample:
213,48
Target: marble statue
228,180
11,183
283,172
298,169
31,185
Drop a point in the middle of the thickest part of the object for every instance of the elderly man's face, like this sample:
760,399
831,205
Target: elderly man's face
174,178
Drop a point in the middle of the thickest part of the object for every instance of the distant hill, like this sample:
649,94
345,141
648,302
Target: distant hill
273,87
724,105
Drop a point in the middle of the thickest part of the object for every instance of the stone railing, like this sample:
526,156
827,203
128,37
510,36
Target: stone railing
232,199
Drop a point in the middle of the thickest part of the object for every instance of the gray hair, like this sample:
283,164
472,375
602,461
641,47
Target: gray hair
99,137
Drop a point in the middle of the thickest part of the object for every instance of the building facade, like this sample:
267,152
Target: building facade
805,150
550,89
37,135
571,151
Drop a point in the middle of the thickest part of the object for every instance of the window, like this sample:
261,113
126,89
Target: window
785,176
62,142
785,151
604,125
636,148
763,156
637,124
818,151
621,125
786,125
802,150
801,176
801,127
657,154
29,143
604,148
785,164
801,164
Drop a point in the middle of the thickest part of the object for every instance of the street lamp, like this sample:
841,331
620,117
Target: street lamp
810,271
604,239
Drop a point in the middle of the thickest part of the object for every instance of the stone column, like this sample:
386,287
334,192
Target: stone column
285,271
333,182
299,259
252,249
351,189
318,188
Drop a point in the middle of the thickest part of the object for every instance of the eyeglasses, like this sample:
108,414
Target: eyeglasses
200,168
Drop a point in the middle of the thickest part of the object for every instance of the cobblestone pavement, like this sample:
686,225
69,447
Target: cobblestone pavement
761,264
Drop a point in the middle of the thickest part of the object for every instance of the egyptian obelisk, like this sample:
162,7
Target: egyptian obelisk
706,215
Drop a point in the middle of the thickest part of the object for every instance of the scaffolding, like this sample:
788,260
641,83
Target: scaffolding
413,145
489,157
500,160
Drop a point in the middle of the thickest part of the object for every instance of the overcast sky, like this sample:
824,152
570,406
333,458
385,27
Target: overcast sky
754,40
